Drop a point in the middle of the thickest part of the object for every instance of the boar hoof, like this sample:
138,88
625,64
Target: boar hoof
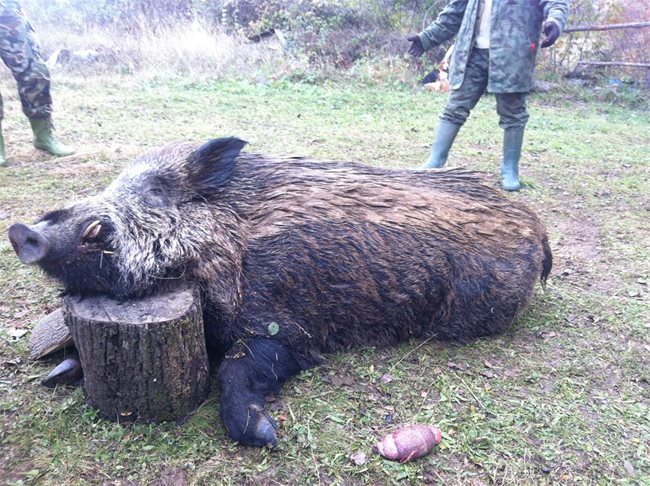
68,372
265,430
253,427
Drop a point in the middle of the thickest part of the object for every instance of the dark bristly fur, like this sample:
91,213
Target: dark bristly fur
298,257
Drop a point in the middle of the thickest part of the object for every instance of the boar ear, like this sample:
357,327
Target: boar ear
211,165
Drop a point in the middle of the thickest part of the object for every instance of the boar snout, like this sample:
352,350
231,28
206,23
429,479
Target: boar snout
29,245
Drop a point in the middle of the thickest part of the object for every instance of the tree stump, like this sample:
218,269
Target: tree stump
144,359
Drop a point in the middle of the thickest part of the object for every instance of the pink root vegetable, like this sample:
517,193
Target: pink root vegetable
409,443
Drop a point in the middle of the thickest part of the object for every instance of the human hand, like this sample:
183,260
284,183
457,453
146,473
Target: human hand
416,49
551,33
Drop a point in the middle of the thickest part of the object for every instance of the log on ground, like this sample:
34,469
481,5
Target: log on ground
143,359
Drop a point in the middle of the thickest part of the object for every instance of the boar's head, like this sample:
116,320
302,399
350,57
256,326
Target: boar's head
151,226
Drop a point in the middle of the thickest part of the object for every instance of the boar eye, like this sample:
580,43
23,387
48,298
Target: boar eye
156,195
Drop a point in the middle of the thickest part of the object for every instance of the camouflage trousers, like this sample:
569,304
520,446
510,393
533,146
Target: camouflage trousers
20,52
511,107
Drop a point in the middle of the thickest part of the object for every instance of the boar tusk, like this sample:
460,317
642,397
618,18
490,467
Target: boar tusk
92,230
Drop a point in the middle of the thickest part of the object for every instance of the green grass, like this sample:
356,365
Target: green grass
561,398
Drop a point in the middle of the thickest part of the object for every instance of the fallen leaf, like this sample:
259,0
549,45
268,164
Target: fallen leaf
455,366
546,335
359,458
13,362
17,333
386,378
340,380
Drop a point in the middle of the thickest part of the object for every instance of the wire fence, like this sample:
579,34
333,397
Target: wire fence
611,44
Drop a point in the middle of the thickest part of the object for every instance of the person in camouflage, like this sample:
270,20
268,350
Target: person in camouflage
19,51
495,50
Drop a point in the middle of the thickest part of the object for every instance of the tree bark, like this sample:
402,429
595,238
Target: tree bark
143,360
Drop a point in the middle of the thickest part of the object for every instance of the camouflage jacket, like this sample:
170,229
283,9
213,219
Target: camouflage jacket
514,39
10,7
11,14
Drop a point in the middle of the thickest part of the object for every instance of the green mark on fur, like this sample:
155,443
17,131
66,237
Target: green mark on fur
274,328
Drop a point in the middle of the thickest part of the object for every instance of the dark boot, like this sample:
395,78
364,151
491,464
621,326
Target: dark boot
3,161
513,139
44,138
445,136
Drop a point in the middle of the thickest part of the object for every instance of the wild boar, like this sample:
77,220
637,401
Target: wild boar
297,258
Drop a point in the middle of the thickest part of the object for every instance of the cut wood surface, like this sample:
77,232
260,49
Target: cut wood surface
144,359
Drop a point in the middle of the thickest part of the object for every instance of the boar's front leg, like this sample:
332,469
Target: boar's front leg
68,372
252,369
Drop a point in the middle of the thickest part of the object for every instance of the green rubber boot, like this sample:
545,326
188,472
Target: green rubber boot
513,139
44,138
3,161
445,136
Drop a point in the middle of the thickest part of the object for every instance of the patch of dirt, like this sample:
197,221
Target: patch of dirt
581,238
578,256
171,476
13,469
